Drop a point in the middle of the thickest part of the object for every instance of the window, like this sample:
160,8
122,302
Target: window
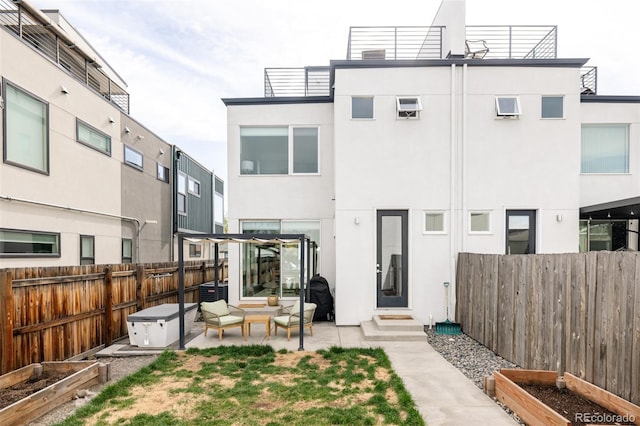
132,157
195,250
163,173
479,222
508,106
194,186
552,107
305,150
127,250
275,268
362,107
605,148
16,243
408,107
182,193
434,222
93,138
87,250
521,232
26,141
265,150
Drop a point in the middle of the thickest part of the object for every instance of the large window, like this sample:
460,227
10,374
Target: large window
93,137
605,148
26,141
87,250
266,150
275,268
17,243
362,107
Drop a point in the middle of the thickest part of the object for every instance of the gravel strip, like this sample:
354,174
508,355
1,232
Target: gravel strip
470,357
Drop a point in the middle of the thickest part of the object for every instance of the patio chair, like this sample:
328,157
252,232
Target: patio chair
221,316
291,318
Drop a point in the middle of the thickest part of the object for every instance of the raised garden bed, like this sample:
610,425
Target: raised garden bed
38,388
531,394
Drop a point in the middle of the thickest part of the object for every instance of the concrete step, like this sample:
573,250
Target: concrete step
372,332
396,323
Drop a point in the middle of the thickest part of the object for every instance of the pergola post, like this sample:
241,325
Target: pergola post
181,288
302,292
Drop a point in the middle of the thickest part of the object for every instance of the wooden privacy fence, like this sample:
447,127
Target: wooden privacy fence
567,312
57,313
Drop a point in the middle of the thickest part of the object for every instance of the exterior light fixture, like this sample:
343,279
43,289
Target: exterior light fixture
64,90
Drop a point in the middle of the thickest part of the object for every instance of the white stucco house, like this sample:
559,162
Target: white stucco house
421,144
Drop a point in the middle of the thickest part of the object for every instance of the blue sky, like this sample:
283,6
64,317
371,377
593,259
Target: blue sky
180,57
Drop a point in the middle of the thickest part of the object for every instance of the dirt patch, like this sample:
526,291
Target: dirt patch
578,410
32,385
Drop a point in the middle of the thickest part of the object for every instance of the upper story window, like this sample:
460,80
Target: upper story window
182,193
133,157
362,107
18,243
604,148
194,186
163,173
92,137
552,107
278,150
508,106
408,107
26,142
195,250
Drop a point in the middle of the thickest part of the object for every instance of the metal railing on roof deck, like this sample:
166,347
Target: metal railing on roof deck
394,43
29,29
516,41
589,80
304,81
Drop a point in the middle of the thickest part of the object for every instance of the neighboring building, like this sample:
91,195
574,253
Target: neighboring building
423,143
81,181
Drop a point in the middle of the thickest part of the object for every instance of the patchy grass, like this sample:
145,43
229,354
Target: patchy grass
253,385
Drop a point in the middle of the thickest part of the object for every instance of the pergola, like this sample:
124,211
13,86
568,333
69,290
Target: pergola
302,240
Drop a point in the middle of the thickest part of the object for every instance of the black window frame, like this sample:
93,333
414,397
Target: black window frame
32,255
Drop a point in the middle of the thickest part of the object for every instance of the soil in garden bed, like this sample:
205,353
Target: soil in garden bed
572,406
32,385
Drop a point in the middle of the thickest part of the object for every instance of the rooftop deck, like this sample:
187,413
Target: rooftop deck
36,30
418,43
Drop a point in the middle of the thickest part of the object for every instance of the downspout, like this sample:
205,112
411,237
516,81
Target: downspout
453,222
463,161
73,209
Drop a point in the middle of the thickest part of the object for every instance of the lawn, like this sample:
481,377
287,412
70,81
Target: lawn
254,385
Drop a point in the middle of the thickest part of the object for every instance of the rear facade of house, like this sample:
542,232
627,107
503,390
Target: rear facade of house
432,142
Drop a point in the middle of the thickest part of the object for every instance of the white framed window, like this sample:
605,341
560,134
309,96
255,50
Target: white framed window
163,173
133,158
279,150
604,148
408,107
87,250
552,107
26,141
362,107
20,243
508,106
434,222
182,193
194,186
480,222
92,137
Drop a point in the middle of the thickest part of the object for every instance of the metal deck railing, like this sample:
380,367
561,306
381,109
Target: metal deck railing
516,41
305,81
31,30
589,80
394,43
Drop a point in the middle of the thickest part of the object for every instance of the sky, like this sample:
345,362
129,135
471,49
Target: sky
180,57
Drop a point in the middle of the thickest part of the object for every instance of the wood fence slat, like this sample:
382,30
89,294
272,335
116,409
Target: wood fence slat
634,371
7,359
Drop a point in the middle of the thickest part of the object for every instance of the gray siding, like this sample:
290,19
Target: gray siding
199,217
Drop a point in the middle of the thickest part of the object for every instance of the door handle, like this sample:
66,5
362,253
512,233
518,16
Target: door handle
378,270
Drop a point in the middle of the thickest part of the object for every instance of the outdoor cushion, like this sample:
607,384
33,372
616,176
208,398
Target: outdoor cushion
284,320
219,307
230,319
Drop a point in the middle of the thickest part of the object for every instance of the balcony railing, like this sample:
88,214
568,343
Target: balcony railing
395,43
589,80
307,81
31,30
516,42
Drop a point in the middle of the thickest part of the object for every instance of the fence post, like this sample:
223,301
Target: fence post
140,296
108,306
7,360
